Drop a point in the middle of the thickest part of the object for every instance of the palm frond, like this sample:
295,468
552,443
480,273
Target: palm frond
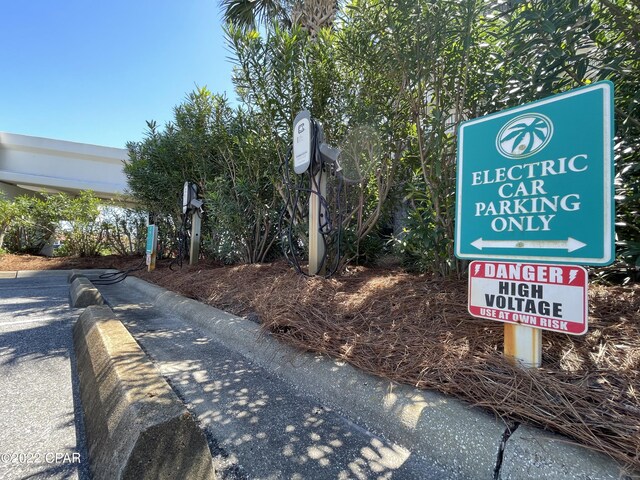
248,14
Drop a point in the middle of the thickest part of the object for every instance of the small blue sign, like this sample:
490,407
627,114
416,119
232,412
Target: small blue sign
535,182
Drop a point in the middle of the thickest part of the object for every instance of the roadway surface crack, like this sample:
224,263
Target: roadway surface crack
511,428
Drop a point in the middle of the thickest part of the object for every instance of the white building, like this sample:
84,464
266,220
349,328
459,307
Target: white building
29,164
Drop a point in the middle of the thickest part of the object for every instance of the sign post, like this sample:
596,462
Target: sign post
152,246
523,345
535,184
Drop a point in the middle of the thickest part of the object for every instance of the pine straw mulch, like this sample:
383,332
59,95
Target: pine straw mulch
9,262
415,330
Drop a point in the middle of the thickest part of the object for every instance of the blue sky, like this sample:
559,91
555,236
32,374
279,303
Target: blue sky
94,71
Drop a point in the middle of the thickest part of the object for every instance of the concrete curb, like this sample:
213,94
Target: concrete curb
73,274
533,453
136,426
466,441
82,293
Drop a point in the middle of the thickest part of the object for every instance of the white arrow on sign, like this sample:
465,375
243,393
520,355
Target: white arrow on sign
570,244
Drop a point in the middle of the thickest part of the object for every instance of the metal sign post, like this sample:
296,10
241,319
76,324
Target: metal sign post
523,345
535,184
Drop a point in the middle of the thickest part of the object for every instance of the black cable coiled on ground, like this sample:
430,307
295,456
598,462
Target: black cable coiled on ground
111,278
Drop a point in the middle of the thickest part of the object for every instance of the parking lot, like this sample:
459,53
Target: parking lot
40,416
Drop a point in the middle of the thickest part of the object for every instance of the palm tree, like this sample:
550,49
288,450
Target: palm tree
248,14
524,135
312,15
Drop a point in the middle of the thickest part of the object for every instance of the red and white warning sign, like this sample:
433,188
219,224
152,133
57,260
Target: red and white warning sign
551,297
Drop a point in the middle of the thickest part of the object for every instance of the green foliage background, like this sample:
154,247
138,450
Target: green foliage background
81,225
411,70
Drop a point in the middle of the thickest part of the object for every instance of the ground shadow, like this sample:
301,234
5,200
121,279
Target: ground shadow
257,425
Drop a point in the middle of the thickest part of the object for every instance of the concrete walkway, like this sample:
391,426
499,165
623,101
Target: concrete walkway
258,426
41,433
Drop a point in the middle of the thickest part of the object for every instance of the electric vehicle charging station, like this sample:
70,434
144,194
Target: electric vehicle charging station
192,209
312,156
302,130
306,135
302,161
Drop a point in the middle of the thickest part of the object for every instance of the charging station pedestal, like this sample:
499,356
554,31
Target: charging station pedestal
302,156
317,218
191,206
194,248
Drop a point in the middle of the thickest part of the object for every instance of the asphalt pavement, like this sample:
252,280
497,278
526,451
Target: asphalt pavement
41,432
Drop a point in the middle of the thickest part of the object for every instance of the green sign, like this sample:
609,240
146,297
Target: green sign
535,182
152,233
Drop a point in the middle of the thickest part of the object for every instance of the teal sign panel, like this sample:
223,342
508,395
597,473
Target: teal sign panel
535,182
152,231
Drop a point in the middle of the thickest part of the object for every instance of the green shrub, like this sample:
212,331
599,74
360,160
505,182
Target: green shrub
35,223
82,228
125,230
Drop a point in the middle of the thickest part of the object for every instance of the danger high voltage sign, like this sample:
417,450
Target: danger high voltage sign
550,297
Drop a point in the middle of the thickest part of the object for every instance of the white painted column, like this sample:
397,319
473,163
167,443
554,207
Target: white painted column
523,345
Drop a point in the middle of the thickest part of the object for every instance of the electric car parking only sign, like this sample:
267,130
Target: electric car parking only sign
535,183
